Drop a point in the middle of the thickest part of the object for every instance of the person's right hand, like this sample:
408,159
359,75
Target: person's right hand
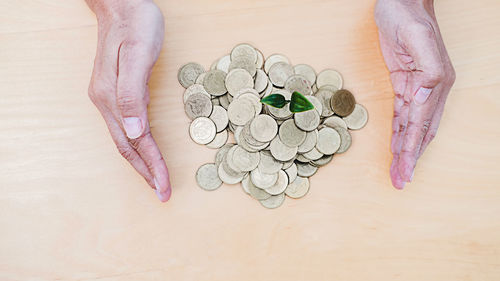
129,42
421,75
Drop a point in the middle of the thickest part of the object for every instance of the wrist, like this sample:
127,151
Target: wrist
113,9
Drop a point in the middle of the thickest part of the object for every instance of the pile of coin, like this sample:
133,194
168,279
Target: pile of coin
275,151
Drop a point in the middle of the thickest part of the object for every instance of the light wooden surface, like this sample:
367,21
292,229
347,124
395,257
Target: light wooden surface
72,209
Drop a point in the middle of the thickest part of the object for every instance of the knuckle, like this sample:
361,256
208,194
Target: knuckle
424,28
426,124
97,92
126,100
126,152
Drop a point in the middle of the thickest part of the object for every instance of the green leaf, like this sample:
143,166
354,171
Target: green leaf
275,100
299,103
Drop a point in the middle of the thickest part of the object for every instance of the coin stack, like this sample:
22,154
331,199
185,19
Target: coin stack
275,151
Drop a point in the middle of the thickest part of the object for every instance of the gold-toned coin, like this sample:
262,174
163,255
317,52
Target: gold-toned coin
280,185
214,82
238,79
342,102
298,188
223,63
309,142
263,128
324,95
207,177
246,51
329,77
298,83
290,134
307,120
188,73
202,130
243,63
240,111
291,172
245,161
307,71
274,201
262,180
345,139
357,119
274,58
219,116
334,122
281,151
198,105
328,141
306,169
279,73
219,140
267,164
261,81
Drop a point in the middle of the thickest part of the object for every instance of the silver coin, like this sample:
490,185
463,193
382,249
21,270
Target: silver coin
309,142
254,191
291,172
317,104
329,77
227,177
279,73
307,120
322,161
262,180
240,111
280,185
313,154
215,101
219,116
298,83
288,164
324,95
198,105
301,158
207,177
274,58
307,71
202,130
243,63
223,63
253,99
358,118
221,153
334,122
244,183
246,51
267,164
328,141
269,89
214,82
194,89
188,73
261,81
260,59
219,140
200,79
284,112
274,201
224,101
263,128
245,161
281,151
238,79
298,188
306,169
345,140
290,134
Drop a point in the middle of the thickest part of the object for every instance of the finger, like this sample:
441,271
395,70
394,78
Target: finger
147,148
125,149
396,179
134,67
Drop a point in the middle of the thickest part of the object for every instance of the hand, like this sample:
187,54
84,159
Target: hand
421,75
129,41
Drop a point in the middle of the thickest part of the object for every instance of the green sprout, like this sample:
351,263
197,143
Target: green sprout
298,103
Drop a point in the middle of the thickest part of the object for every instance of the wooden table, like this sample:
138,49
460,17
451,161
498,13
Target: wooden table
73,209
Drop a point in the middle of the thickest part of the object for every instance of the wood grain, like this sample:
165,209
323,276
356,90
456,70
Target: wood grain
72,209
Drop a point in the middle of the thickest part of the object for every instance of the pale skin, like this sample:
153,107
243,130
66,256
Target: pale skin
130,37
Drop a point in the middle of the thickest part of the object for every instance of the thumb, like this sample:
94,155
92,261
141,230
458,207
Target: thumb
427,65
134,67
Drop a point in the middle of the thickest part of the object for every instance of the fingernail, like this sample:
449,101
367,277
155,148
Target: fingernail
163,196
422,95
412,174
157,184
133,127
